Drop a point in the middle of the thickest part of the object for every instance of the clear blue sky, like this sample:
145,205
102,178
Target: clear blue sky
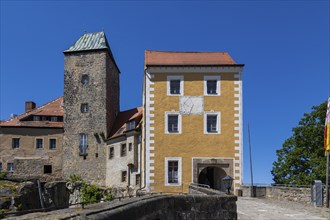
283,44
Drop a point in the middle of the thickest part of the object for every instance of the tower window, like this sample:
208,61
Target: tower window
84,108
85,79
83,144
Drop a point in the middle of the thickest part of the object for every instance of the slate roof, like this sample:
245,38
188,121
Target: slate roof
53,108
171,58
123,117
92,41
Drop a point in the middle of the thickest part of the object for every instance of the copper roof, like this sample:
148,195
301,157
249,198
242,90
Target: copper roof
92,41
153,57
119,127
53,108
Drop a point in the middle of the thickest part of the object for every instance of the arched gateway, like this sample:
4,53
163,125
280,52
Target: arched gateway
212,176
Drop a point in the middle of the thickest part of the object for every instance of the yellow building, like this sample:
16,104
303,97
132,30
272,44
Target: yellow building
193,120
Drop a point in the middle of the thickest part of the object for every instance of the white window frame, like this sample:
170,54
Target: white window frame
218,114
217,78
169,78
179,159
179,122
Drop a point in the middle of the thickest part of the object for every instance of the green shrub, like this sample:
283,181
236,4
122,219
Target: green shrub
2,175
91,194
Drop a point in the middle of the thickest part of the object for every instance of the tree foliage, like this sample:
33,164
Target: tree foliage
301,159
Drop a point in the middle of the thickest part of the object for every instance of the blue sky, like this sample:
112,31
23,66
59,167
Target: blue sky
283,44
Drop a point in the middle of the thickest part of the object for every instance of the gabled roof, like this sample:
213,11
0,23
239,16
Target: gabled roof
53,108
119,127
92,41
170,58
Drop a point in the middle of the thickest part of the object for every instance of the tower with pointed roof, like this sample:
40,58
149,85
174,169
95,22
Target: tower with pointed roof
91,103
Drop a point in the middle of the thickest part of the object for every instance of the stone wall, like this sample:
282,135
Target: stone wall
16,196
152,207
295,194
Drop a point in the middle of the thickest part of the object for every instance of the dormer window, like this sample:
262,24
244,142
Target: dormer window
36,118
85,79
130,125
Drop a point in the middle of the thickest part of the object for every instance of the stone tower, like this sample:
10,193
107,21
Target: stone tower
91,103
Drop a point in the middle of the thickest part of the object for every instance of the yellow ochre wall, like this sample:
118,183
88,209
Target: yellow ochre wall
192,142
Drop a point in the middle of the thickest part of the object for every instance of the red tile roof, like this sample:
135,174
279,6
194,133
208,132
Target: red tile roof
119,127
153,57
53,108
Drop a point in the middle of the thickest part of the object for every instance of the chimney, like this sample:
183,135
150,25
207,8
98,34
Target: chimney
29,106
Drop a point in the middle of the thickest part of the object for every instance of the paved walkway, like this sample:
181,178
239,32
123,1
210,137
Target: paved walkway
260,208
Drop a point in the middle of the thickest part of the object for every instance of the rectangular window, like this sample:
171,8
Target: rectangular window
0,166
83,144
53,118
137,179
52,143
39,143
130,125
212,123
173,171
47,169
173,123
111,152
174,85
10,167
123,176
84,108
123,150
212,85
130,145
15,143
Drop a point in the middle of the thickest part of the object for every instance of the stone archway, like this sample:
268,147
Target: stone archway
212,176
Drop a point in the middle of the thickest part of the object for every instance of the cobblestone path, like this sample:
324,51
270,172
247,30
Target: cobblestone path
260,208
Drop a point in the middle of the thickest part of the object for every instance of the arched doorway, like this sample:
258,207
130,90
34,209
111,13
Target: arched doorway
212,176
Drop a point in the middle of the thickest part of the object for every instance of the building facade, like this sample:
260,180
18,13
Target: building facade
31,143
193,120
125,150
